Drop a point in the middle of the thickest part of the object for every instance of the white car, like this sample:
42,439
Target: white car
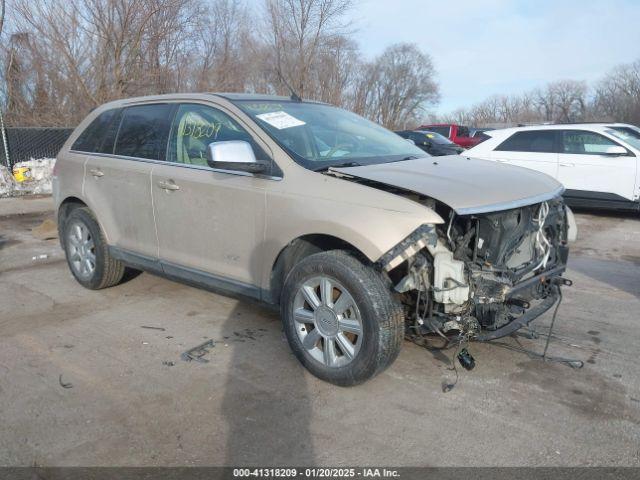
596,162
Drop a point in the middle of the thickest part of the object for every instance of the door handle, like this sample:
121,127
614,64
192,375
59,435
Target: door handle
96,172
500,160
567,164
170,185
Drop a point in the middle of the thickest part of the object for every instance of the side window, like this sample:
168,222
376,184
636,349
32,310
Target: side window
92,138
585,143
540,141
144,130
196,126
463,131
109,135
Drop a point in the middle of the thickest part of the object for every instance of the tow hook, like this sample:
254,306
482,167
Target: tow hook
562,281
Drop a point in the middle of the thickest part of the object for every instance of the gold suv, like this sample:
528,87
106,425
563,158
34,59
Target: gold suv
359,236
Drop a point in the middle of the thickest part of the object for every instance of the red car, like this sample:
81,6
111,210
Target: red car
456,133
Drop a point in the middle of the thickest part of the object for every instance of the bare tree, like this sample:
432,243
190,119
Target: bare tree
3,135
397,87
562,101
65,57
297,32
618,94
3,6
224,41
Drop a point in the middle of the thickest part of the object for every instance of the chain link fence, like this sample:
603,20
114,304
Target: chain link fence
29,143
27,158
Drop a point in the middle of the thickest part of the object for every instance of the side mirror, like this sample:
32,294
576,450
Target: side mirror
615,150
234,155
410,141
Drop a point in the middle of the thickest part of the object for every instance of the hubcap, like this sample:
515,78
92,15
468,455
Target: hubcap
328,322
81,250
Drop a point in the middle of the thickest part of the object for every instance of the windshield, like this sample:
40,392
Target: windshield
437,138
442,130
625,135
320,136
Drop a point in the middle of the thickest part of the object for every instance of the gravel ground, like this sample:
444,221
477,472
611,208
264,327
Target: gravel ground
132,401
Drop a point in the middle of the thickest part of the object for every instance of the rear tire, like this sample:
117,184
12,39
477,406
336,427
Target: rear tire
87,251
341,318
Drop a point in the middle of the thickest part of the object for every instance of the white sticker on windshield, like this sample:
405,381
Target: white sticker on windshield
280,120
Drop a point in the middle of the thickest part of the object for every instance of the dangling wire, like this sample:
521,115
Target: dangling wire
571,362
542,242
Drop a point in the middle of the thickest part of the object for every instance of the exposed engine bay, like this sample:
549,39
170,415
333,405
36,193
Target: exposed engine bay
480,276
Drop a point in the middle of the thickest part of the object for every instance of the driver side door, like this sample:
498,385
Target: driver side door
585,167
210,222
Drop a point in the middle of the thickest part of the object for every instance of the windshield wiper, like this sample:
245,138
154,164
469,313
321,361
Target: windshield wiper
339,165
410,157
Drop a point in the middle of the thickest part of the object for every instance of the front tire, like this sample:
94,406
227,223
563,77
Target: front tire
88,253
341,318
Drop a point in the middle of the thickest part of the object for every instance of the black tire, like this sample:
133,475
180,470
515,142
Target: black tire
107,271
381,315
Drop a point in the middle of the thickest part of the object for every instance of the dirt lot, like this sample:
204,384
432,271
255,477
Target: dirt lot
134,402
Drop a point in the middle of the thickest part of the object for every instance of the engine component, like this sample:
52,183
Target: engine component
466,360
449,283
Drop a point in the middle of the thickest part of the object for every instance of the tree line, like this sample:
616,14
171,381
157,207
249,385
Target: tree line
615,97
59,59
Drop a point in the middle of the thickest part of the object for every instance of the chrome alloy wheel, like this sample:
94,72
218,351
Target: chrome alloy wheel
327,321
81,250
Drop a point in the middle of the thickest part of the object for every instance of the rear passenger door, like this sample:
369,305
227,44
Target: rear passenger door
585,167
533,149
118,177
210,222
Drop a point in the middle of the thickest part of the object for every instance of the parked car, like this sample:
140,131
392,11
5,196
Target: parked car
624,128
350,230
597,163
479,133
456,133
431,142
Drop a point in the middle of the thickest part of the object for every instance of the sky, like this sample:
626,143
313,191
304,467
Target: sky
486,47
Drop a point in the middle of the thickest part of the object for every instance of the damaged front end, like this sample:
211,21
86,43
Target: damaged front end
481,276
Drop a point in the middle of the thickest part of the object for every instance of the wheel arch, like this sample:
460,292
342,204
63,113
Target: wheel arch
64,209
300,248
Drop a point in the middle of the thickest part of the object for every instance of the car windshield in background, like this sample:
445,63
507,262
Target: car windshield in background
444,131
319,136
437,138
632,139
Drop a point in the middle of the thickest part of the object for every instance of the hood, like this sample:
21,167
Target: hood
467,185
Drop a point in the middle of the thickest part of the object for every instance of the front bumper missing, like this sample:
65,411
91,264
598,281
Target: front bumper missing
526,318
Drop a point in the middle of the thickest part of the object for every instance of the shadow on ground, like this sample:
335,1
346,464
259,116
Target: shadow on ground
264,422
627,278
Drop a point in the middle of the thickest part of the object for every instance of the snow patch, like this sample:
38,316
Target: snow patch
7,184
40,174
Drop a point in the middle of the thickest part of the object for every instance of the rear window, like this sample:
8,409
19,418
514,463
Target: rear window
541,141
94,138
444,131
144,131
463,131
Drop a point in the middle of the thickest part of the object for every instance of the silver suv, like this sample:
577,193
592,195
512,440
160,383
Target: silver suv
359,236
